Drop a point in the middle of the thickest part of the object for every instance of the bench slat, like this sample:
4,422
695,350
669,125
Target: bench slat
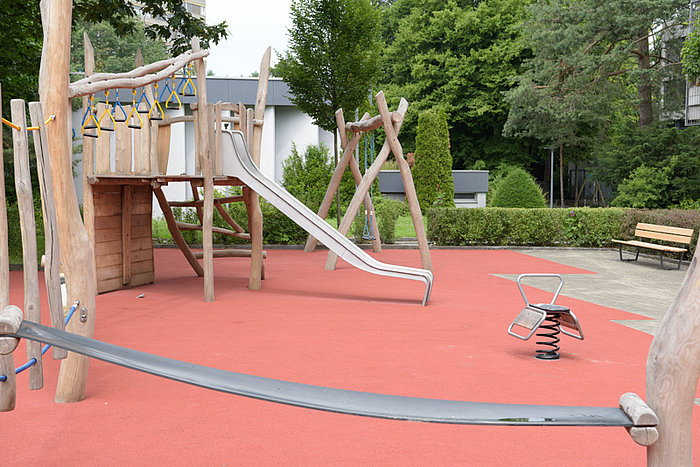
652,246
666,229
662,236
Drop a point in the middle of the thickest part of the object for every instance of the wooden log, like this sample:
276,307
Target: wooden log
123,147
673,369
174,231
204,151
255,222
139,77
372,123
409,187
25,202
232,253
52,273
363,188
249,128
637,410
199,203
219,230
153,150
334,184
7,362
10,320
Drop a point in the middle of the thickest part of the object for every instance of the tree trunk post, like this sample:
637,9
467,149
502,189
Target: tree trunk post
76,251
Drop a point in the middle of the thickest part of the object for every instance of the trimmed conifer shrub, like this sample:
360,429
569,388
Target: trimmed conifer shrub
432,174
518,190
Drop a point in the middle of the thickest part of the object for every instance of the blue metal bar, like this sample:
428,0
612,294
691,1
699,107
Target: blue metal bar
44,349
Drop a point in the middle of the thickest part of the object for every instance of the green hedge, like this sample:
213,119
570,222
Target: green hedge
586,227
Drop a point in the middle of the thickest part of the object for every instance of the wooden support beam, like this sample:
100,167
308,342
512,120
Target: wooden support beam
227,217
218,144
232,253
174,231
372,123
409,188
52,273
25,202
200,203
364,187
88,156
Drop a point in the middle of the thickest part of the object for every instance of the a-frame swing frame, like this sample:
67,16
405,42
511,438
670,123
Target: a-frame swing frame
391,121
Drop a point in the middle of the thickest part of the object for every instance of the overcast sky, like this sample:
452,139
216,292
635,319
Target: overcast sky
253,26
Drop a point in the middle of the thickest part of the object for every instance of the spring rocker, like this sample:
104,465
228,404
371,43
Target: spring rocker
673,364
534,316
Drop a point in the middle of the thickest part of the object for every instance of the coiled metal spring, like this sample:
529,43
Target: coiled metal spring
551,324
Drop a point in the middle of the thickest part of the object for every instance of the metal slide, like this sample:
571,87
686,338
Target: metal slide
238,163
365,404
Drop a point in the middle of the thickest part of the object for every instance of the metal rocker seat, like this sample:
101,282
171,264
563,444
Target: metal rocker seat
549,317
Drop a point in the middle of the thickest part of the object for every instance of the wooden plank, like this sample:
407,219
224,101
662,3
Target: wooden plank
163,148
108,248
107,222
662,236
153,150
126,233
175,232
107,209
109,272
140,220
25,202
77,259
666,229
52,273
243,120
102,147
141,208
140,267
8,390
109,260
142,231
107,235
141,243
123,148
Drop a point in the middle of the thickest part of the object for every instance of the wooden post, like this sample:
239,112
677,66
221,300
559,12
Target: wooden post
409,188
204,156
25,202
673,369
364,186
52,274
88,155
7,362
218,144
76,251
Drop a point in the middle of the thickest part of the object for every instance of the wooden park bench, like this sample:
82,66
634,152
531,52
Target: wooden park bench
658,232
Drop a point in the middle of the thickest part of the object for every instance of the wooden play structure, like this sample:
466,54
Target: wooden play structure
391,122
673,364
117,183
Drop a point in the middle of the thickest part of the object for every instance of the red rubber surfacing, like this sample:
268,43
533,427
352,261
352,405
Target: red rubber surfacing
345,329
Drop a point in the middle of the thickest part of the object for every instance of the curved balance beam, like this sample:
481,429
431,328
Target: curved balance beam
329,399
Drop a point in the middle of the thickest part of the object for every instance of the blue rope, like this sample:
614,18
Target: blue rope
44,349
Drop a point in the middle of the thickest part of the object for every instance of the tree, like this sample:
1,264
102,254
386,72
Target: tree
331,60
113,53
432,173
21,34
518,190
460,55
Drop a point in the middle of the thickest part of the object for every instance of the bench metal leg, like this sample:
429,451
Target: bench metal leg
680,260
629,259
